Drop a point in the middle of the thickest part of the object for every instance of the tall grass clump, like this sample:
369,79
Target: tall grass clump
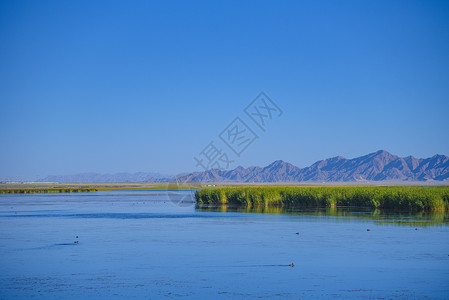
387,197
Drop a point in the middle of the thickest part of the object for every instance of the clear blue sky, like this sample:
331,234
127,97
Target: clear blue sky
144,86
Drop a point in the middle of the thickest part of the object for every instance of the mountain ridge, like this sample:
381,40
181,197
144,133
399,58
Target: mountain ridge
377,166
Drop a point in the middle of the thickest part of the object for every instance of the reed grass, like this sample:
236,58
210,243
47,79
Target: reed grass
384,197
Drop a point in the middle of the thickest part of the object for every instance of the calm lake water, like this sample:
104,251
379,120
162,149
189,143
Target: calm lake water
149,245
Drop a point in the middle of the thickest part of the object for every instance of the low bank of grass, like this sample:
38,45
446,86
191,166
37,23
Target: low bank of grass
385,197
49,190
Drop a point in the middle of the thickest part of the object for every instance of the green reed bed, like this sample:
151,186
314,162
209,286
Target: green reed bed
48,190
385,197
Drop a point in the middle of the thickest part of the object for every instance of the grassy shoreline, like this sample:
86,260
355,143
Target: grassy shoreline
413,198
47,190
38,187
407,197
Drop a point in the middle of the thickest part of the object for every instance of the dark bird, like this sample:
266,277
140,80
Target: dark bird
368,230
291,265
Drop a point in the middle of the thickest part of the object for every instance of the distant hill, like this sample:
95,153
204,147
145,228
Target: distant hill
96,177
377,166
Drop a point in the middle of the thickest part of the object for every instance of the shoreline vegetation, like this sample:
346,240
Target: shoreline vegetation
412,198
46,190
38,187
405,197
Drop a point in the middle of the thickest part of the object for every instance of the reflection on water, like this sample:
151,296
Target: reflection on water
406,218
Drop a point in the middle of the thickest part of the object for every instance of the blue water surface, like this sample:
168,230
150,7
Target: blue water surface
155,244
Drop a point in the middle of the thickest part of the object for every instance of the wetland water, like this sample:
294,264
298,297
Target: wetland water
139,244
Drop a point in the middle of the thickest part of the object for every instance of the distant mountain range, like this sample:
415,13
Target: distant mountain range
377,166
96,177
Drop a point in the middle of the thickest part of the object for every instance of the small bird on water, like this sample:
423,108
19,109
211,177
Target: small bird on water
297,233
368,230
291,265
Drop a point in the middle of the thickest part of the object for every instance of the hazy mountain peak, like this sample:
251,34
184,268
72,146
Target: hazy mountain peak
277,163
97,177
439,156
383,152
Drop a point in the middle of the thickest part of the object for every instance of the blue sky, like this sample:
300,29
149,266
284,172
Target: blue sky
114,86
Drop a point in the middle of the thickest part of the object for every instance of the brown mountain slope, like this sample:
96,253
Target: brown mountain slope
377,166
